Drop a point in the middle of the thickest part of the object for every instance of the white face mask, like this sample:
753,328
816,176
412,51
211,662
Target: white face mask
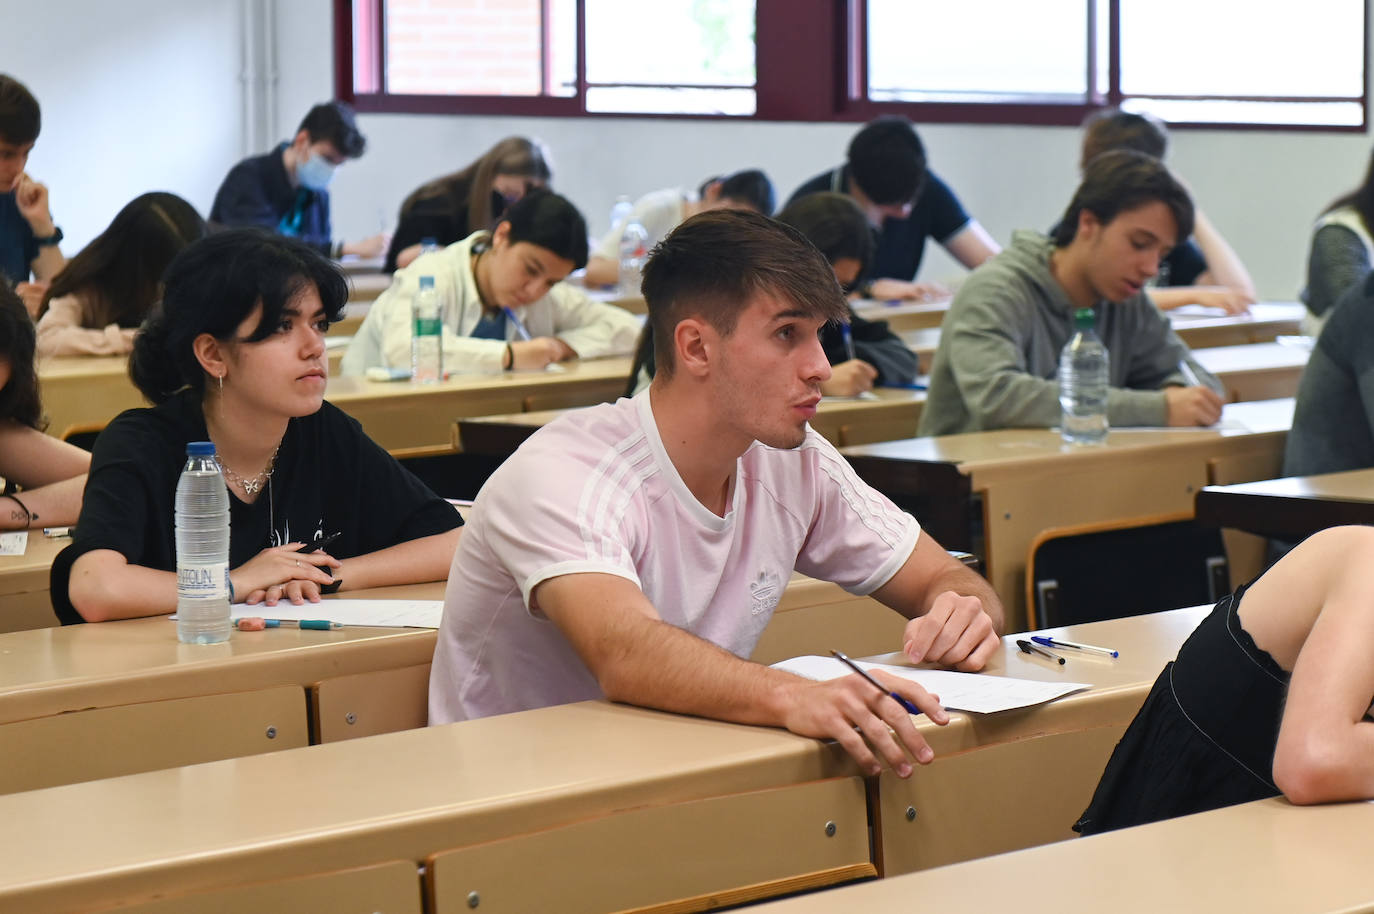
316,172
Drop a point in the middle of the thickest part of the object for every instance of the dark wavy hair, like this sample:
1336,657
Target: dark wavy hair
750,187
1361,199
335,123
119,274
469,189
888,161
1120,181
211,287
835,224
19,401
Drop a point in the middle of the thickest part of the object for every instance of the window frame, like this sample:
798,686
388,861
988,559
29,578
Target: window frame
811,65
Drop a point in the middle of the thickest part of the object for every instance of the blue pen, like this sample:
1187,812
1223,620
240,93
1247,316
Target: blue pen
519,327
256,624
848,336
1055,642
876,684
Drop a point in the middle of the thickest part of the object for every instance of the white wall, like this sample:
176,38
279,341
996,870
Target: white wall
153,101
138,95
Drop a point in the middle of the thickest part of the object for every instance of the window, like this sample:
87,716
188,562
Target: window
1186,61
660,57
983,61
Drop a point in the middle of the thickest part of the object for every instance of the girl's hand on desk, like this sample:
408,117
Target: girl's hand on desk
532,355
849,379
284,571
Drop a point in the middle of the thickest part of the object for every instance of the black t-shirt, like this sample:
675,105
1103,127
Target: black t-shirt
902,242
258,191
435,217
875,344
329,478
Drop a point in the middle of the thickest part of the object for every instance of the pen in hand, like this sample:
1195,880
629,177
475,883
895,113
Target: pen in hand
911,708
1189,376
520,329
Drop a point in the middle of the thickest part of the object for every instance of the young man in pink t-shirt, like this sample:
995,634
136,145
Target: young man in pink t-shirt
636,550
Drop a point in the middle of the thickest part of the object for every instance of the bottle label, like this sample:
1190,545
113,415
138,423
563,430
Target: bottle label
427,326
203,582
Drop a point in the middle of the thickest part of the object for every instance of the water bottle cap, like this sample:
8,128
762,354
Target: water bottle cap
200,449
426,282
429,242
1085,318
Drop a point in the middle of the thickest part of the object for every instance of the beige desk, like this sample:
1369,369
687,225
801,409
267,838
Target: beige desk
123,686
365,287
89,701
615,808
1198,328
903,316
1257,371
892,414
1291,508
1029,481
1267,857
83,393
623,808
24,600
417,419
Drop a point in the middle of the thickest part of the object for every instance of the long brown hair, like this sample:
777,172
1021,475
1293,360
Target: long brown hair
470,188
119,274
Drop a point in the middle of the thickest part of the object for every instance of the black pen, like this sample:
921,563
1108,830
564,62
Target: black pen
876,684
1029,648
318,545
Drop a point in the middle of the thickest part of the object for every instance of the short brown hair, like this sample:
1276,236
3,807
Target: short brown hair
20,120
1116,182
1112,128
714,264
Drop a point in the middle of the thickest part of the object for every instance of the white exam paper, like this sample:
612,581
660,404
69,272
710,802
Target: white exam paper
14,543
976,692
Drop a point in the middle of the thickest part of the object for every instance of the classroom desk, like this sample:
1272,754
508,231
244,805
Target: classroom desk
417,419
354,312
366,287
1265,857
1257,371
1199,328
1292,508
24,600
83,393
1026,481
81,684
840,420
903,315
656,809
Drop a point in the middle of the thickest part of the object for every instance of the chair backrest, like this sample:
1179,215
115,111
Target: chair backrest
1100,571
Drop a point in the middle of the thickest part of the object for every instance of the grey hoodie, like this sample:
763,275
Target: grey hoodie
999,350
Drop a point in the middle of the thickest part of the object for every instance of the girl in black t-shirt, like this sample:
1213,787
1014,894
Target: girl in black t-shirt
235,355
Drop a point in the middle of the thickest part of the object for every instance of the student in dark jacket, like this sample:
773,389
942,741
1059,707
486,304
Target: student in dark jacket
287,190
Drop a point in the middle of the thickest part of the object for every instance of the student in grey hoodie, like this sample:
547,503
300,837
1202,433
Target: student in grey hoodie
999,348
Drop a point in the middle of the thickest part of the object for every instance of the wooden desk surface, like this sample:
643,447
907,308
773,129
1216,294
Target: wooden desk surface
1031,481
1266,857
24,600
279,815
415,419
901,316
1291,508
1257,371
893,414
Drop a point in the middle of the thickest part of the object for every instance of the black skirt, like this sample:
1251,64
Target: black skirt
1205,736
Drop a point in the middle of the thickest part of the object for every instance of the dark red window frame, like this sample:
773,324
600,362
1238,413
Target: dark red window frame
811,66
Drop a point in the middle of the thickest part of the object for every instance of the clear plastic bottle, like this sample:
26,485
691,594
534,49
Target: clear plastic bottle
428,245
1083,376
621,211
202,539
426,338
634,250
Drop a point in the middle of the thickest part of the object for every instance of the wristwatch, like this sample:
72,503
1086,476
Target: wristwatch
52,239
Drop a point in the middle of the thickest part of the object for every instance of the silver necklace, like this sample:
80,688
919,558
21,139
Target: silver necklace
254,485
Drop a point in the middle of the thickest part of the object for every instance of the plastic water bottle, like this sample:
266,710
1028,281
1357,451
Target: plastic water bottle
1083,375
202,537
426,339
634,250
428,245
621,211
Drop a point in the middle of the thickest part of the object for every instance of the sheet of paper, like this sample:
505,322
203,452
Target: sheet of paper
383,613
14,543
976,692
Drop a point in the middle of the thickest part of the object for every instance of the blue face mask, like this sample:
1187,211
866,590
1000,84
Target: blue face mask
315,172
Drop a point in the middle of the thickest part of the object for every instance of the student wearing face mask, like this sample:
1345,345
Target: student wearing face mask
505,307
287,190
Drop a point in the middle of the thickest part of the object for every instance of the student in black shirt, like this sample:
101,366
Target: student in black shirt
236,356
886,174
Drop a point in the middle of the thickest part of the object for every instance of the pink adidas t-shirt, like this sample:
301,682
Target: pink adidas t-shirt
595,492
